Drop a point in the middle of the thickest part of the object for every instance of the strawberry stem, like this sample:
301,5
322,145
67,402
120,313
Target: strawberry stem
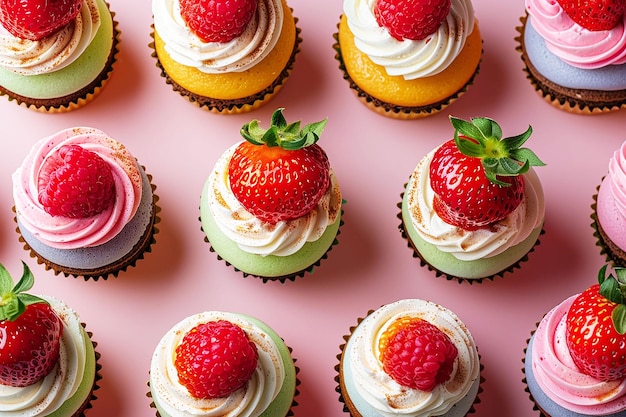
13,299
613,288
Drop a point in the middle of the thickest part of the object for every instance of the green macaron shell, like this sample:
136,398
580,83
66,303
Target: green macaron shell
264,266
477,269
72,78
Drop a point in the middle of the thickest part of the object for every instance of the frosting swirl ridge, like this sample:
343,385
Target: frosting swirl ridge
617,178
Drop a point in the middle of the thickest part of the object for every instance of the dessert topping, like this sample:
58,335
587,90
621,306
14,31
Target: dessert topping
36,19
411,19
595,14
217,20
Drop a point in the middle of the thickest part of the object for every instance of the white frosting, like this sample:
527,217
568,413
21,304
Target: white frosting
255,236
240,54
410,58
249,401
27,57
383,393
46,396
478,244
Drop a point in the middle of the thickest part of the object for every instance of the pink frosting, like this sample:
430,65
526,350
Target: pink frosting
574,44
67,233
559,378
611,204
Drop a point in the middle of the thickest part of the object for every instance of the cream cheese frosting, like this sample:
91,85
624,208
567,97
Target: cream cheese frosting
49,394
478,244
611,205
571,42
52,53
384,394
410,59
255,236
559,378
68,233
249,401
240,54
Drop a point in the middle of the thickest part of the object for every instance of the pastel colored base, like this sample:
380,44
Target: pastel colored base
478,269
264,266
283,402
72,78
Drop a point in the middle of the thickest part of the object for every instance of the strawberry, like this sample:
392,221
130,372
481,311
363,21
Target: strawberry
417,354
75,182
476,176
411,19
595,15
595,327
30,332
36,19
279,173
215,359
217,20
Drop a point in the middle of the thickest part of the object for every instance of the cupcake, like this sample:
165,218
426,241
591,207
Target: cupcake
575,57
272,206
83,205
408,60
225,61
221,361
574,363
411,357
609,210
56,56
48,362
473,208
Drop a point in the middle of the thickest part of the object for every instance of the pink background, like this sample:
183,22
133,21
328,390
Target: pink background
372,265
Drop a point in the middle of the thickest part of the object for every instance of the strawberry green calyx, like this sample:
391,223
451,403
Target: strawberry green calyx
613,288
13,298
481,138
280,133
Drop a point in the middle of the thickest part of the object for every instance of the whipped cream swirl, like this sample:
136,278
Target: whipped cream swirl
240,54
70,233
47,395
255,236
617,179
574,44
477,244
410,59
54,52
249,401
558,376
383,393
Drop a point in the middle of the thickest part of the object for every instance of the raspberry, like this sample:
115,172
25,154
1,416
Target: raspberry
215,359
411,19
416,354
217,20
75,183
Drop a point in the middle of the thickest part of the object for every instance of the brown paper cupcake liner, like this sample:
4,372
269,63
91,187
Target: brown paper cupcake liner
113,269
449,277
232,106
79,98
611,252
393,110
348,406
577,101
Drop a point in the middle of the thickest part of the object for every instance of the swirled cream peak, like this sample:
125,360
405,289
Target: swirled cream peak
410,59
54,52
574,44
240,54
478,244
384,394
69,233
249,401
559,378
47,395
617,178
255,236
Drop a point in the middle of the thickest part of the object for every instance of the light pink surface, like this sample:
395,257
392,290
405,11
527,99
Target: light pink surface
372,157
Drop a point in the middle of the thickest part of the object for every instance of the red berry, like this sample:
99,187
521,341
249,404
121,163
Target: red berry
217,20
595,14
36,19
29,345
215,359
76,183
411,19
417,354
